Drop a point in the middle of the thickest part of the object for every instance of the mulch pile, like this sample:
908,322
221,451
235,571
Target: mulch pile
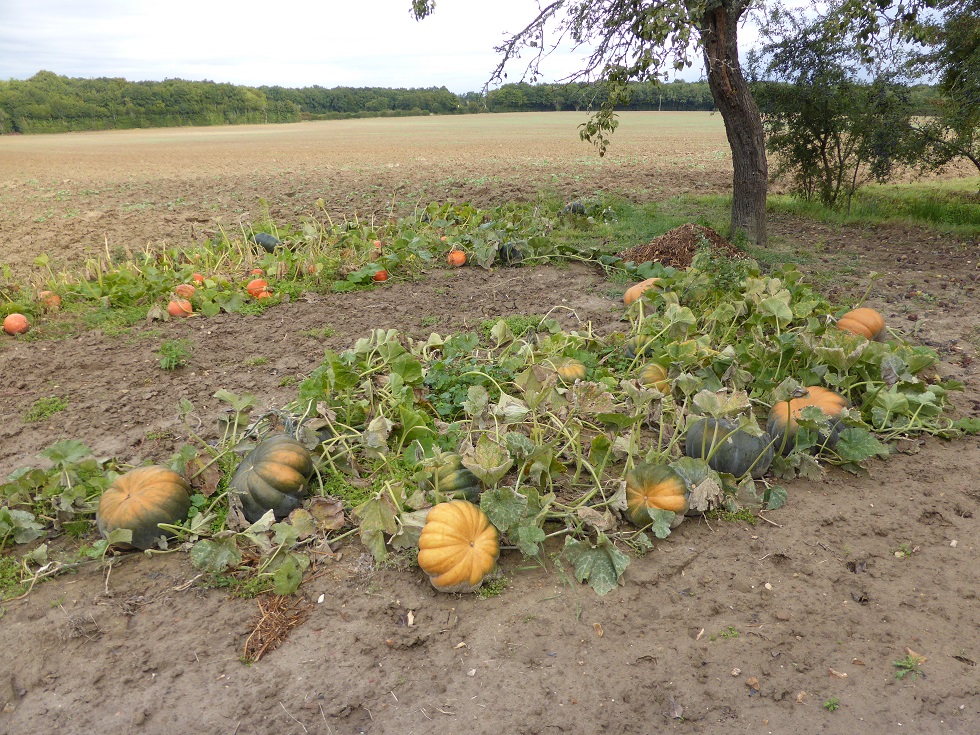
678,247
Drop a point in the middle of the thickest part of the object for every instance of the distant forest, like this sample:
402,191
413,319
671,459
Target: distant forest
49,103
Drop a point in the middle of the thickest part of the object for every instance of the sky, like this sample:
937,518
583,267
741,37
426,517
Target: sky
291,43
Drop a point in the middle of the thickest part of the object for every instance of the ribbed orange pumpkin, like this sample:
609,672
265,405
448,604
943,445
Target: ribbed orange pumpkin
654,375
655,487
140,500
782,424
273,476
458,547
865,322
635,292
568,368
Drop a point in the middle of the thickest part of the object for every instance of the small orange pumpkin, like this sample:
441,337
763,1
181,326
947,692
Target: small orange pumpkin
568,368
782,424
456,258
180,308
655,487
198,279
458,546
142,499
635,292
256,286
15,324
185,290
49,300
865,322
654,375
381,275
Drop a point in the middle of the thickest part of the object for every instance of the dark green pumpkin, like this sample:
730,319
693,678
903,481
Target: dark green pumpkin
273,476
452,481
729,448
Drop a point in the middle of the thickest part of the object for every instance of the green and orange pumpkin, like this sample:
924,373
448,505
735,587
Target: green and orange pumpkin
652,487
142,499
273,476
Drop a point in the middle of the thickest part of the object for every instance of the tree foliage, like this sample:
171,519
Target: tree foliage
830,129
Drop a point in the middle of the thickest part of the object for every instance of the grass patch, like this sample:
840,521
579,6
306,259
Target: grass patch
174,353
44,408
951,207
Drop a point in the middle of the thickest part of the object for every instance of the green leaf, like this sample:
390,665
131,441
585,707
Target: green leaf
66,452
408,367
856,445
602,565
526,537
215,557
20,525
967,425
775,497
488,460
503,507
287,577
663,521
477,399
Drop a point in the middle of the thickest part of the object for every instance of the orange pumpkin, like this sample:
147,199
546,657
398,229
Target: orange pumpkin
456,258
655,487
381,275
180,308
654,375
49,300
782,424
142,499
198,279
865,322
15,324
257,286
458,546
635,292
185,290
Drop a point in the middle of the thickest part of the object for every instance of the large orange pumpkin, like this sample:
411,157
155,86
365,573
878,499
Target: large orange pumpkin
458,546
782,422
142,499
865,322
635,292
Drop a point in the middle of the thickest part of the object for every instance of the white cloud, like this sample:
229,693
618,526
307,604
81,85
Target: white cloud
291,43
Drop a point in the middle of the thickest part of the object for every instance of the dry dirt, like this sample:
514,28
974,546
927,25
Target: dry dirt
723,628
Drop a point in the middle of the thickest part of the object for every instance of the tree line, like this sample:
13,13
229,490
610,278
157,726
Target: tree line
49,103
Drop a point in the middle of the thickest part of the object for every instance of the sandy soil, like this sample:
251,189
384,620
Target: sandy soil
725,627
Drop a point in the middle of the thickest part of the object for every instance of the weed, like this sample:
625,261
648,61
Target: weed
732,516
905,551
831,704
908,666
492,588
44,408
10,577
174,353
430,321
288,380
519,325
320,333
730,632
256,361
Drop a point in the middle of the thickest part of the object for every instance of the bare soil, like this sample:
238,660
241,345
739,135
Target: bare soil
724,627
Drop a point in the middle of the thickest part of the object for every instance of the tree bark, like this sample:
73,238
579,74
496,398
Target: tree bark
743,123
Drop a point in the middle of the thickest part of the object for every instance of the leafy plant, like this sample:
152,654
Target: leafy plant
908,666
174,353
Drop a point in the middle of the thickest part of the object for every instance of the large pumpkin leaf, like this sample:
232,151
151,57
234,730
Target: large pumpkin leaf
503,507
488,460
216,556
857,445
21,526
601,565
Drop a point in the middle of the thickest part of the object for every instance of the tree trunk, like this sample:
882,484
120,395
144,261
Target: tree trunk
743,123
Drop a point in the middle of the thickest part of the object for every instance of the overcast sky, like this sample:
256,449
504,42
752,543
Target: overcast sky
292,43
